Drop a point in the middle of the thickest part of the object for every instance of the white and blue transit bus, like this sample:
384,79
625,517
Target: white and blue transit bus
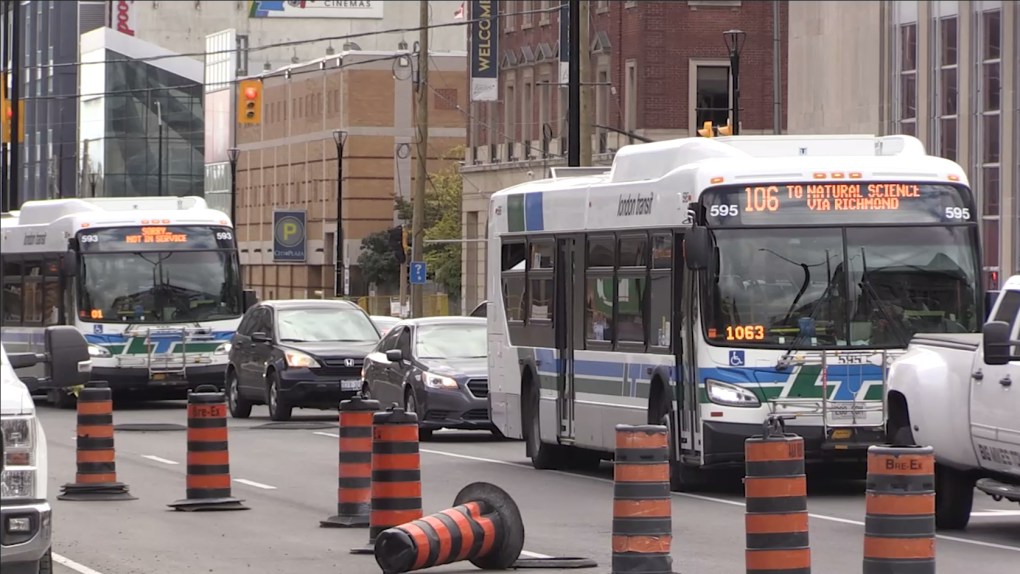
153,283
712,283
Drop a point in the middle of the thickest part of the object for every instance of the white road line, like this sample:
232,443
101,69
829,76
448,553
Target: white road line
255,484
68,563
329,434
527,554
720,500
159,459
995,513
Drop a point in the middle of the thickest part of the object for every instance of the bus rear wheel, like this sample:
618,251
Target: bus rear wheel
544,456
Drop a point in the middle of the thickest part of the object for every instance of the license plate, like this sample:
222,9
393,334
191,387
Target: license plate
350,385
847,413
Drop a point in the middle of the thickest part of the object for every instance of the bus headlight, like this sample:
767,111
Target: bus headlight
298,359
98,351
729,395
18,478
438,381
223,349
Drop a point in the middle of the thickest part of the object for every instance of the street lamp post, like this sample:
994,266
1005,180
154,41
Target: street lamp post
93,179
232,154
735,44
340,283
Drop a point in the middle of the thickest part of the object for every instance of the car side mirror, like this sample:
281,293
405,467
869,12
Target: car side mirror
261,338
23,360
996,343
249,298
697,247
67,357
69,263
395,355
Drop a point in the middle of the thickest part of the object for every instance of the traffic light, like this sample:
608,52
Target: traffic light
706,131
725,130
395,240
7,113
249,102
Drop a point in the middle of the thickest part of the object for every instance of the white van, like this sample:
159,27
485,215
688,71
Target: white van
25,515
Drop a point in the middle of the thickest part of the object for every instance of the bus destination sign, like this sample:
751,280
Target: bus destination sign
837,203
155,238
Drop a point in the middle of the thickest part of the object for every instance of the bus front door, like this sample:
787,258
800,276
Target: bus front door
569,326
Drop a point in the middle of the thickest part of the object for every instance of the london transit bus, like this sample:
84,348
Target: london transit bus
707,284
153,283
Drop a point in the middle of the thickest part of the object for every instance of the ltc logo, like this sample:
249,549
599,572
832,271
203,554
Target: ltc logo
844,384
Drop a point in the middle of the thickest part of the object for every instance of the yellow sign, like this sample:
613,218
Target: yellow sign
838,434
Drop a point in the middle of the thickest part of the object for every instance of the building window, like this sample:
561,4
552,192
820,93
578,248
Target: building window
509,9
712,95
630,97
527,119
989,50
947,87
509,114
527,13
543,18
544,107
602,98
907,87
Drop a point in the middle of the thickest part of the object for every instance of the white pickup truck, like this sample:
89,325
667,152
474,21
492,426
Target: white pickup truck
961,395
25,514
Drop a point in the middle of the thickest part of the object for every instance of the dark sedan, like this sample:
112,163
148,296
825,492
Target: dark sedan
299,353
436,367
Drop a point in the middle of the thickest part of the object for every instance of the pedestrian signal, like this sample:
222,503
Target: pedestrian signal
7,117
249,102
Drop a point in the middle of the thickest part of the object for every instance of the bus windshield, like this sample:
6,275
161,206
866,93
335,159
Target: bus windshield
865,287
159,286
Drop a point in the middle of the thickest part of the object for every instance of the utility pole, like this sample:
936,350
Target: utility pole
421,171
4,174
13,198
574,84
584,70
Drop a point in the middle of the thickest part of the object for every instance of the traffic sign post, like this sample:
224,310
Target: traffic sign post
417,275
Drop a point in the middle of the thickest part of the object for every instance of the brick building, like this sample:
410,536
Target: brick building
288,161
661,69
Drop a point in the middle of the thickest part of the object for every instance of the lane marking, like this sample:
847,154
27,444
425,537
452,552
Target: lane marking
527,554
159,459
68,563
995,513
255,484
329,434
717,500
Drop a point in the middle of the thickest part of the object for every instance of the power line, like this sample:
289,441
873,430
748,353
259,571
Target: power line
290,43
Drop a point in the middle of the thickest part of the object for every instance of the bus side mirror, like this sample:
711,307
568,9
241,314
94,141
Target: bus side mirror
68,362
697,248
996,344
250,298
69,263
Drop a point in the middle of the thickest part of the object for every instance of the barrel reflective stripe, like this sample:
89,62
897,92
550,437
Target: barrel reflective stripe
396,474
642,504
208,460
95,454
455,534
354,471
775,491
899,523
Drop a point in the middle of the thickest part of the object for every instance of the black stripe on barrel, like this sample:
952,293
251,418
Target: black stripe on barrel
95,455
775,490
899,523
354,471
208,463
396,471
642,506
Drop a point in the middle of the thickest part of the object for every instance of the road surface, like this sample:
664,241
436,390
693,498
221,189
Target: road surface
288,479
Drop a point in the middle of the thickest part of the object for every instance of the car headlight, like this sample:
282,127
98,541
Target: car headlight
98,351
18,479
438,381
223,349
730,395
299,359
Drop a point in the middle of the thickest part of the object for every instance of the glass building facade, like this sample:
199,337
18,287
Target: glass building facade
154,136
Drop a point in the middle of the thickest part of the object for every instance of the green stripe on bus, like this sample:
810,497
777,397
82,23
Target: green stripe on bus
515,212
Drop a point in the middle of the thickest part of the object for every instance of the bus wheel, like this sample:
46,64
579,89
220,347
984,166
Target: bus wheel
682,478
544,456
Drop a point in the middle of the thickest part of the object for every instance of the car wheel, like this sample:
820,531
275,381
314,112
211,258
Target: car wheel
239,407
279,410
411,406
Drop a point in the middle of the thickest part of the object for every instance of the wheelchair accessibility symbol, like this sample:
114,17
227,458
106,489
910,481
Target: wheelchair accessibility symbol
736,358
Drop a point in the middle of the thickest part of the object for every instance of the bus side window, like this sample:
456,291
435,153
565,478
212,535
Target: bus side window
12,293
661,303
514,279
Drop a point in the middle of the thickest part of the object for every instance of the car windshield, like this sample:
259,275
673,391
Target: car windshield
325,325
159,286
454,341
869,287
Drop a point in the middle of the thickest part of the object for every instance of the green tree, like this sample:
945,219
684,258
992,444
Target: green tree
377,262
442,221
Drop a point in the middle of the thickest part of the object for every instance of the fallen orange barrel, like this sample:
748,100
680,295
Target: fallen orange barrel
642,506
899,521
484,527
208,480
775,491
396,473
354,491
96,478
